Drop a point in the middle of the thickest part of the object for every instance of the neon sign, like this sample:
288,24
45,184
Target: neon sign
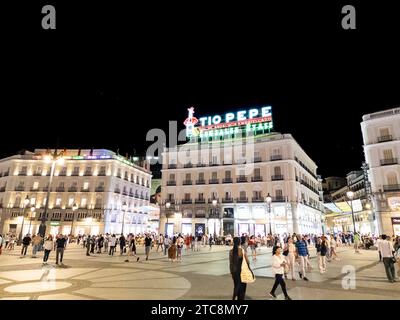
255,120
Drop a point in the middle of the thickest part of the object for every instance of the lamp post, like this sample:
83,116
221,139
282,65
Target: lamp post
26,202
53,159
268,199
167,206
74,208
350,195
124,208
33,215
214,203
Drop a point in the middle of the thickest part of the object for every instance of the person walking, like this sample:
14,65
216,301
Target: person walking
179,247
48,246
210,240
236,256
290,253
356,242
302,253
333,245
172,250
160,242
147,245
25,244
321,247
253,246
36,241
87,243
166,244
278,269
12,243
60,243
113,243
132,247
387,251
122,244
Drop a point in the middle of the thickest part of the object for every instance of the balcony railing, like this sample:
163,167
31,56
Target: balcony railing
126,178
213,164
210,200
188,165
391,187
227,180
37,174
227,200
62,173
276,157
117,190
201,165
187,182
125,193
241,200
213,181
72,189
187,201
171,183
277,177
87,173
130,194
60,189
241,179
34,189
20,188
257,159
385,138
257,199
2,189
75,173
99,189
200,200
172,166
45,189
22,173
101,173
256,179
201,181
278,199
385,162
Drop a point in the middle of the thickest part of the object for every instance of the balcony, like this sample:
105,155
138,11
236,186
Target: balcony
126,178
99,189
130,194
45,189
386,162
117,190
213,164
37,174
227,180
256,179
227,200
62,173
119,176
20,188
171,183
187,182
60,189
22,173
72,189
87,173
257,199
210,200
171,201
56,219
278,199
137,196
391,187
385,138
172,166
276,157
201,181
101,173
68,218
277,177
199,201
201,165
187,201
98,206
75,173
188,165
124,193
257,159
241,200
241,179
34,189
213,181
5,174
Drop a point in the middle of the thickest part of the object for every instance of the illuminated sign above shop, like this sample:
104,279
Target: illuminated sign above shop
258,120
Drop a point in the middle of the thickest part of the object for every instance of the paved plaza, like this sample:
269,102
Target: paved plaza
201,275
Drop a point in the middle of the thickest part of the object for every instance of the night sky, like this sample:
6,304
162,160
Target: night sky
108,74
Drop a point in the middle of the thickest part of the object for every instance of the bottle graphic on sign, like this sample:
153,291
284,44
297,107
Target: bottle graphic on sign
190,122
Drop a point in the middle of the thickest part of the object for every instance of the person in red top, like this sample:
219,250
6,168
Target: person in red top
252,244
188,239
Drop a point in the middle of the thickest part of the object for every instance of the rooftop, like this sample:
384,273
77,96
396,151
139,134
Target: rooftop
381,114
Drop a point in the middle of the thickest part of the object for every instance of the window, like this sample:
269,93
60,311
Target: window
388,154
58,202
187,196
213,195
170,196
70,201
61,185
384,132
188,176
214,175
83,202
33,201
256,172
172,177
85,185
227,174
277,171
102,169
74,184
392,179
200,196
276,152
131,176
39,170
201,176
215,160
242,194
76,169
257,194
227,195
35,185
278,193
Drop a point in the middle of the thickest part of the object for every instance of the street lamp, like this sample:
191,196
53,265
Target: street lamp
268,199
214,203
350,195
33,215
167,206
124,208
26,202
74,208
53,159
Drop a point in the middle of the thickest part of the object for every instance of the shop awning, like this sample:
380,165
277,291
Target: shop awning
344,206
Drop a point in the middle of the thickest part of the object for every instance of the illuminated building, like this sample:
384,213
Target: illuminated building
95,183
219,181
381,136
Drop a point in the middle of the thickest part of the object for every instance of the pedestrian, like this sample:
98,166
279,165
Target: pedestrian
147,245
321,247
333,245
290,252
160,242
113,243
236,256
36,241
387,251
357,242
25,244
166,244
122,244
100,243
92,243
172,250
278,269
302,254
179,247
210,239
378,245
61,243
253,246
87,242
48,246
132,247
12,243
187,242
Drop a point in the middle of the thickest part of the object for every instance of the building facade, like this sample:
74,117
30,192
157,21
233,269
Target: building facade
381,136
219,186
87,192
